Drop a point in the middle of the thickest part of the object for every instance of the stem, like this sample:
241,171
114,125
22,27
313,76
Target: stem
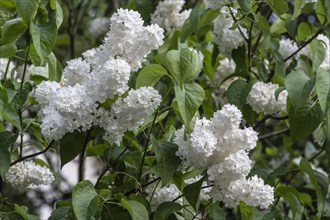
202,210
146,145
25,65
7,68
82,157
33,155
239,28
108,166
274,133
152,194
304,45
261,122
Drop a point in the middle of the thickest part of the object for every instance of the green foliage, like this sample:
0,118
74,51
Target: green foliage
84,200
47,33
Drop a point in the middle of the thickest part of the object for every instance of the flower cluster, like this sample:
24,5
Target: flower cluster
127,114
221,147
162,194
287,47
26,174
103,74
169,14
225,36
262,98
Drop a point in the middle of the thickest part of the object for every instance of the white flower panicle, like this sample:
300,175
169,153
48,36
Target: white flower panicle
287,47
26,174
109,80
225,36
262,98
326,43
168,14
102,74
129,40
221,147
164,194
128,114
216,4
77,71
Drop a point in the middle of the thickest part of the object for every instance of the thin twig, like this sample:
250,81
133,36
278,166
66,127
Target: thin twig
108,166
147,144
274,133
33,155
239,28
303,45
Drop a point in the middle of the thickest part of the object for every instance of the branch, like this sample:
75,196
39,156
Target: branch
33,155
239,28
304,45
82,157
274,133
146,145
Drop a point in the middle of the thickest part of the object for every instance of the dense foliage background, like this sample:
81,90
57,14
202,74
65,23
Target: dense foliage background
292,155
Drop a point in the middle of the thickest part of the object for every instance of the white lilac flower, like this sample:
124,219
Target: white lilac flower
168,14
108,80
26,174
76,71
163,194
251,191
326,43
225,36
102,74
287,47
221,147
216,4
129,40
129,113
262,98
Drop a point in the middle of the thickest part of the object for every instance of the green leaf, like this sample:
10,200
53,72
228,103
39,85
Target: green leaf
321,195
245,6
298,5
165,209
44,37
60,213
215,212
322,10
27,9
183,65
4,161
298,88
12,30
84,200
319,51
305,120
191,193
237,93
291,195
3,101
150,75
305,30
59,14
22,211
8,50
167,161
54,68
189,97
323,88
70,146
136,209
240,57
278,6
